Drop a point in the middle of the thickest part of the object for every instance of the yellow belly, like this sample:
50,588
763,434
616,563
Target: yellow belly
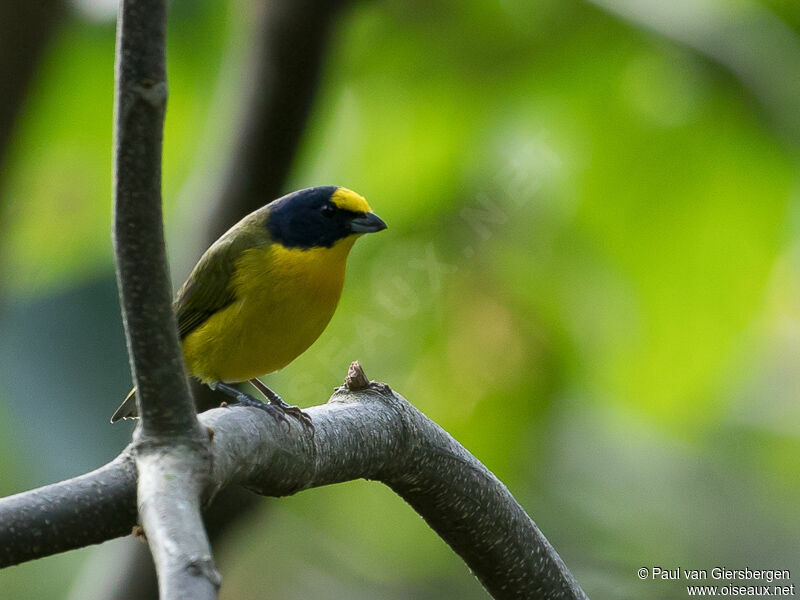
285,299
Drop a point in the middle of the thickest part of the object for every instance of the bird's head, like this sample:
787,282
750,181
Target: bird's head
320,216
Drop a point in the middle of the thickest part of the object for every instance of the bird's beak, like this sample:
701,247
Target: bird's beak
368,223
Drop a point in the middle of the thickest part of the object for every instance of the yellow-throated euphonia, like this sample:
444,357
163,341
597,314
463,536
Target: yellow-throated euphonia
266,290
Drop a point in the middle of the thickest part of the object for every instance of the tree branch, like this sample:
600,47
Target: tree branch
282,78
371,433
170,447
281,83
142,274
89,509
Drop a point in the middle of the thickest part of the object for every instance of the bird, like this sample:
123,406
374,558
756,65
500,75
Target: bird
264,292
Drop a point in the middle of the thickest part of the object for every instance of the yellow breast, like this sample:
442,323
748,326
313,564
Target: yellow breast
285,299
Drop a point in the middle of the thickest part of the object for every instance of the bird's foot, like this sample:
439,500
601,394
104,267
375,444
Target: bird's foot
242,399
275,407
292,411
276,401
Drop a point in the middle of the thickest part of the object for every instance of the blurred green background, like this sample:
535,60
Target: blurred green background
591,278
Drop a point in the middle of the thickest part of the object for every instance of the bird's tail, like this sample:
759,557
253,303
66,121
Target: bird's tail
128,408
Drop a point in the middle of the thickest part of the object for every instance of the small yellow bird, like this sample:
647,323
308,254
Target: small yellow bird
266,290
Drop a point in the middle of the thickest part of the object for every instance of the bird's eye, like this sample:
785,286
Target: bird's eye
328,210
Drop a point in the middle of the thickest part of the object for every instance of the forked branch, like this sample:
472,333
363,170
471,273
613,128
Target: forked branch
170,447
370,433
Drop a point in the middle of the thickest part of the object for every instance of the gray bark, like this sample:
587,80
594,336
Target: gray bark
282,80
370,433
88,509
170,447
142,275
363,432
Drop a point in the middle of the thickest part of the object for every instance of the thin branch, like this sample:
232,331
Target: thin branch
281,84
170,447
136,575
283,73
373,434
89,509
170,485
142,274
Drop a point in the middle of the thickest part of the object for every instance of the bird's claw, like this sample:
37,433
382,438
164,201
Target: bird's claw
276,401
275,405
293,411
278,409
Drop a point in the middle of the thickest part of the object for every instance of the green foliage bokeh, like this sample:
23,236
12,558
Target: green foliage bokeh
591,279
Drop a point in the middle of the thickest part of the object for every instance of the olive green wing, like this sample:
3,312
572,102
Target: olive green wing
207,290
209,287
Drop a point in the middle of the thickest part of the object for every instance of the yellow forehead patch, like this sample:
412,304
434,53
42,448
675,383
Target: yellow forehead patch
349,200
